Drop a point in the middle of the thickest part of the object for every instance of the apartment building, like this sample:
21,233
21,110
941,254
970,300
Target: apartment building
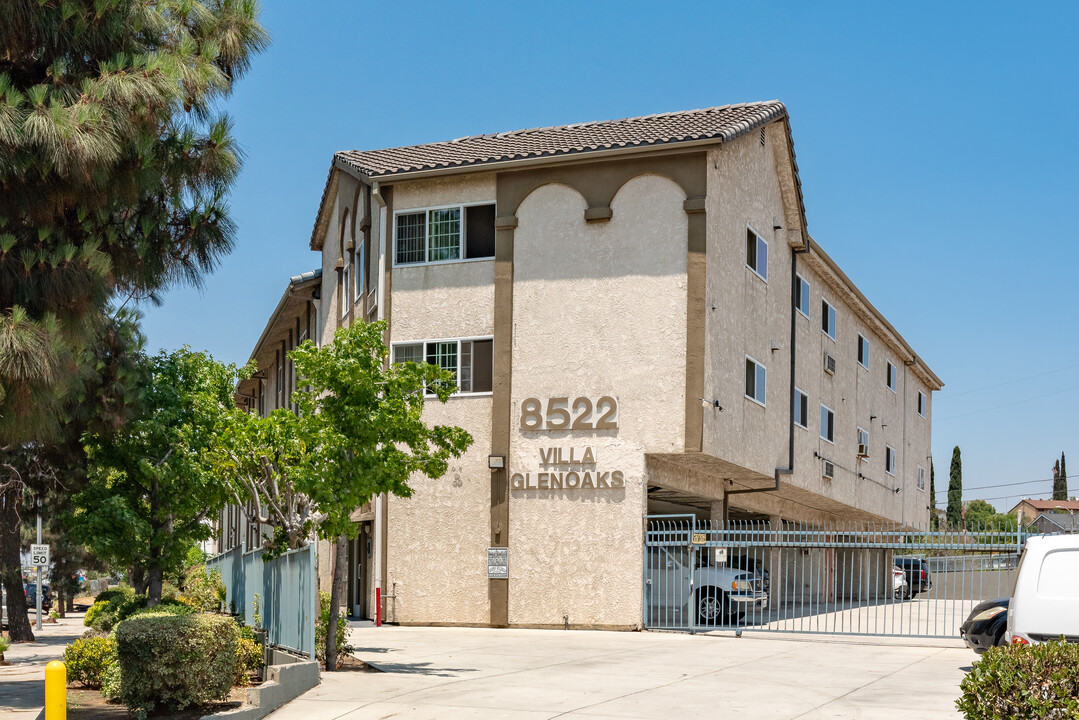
640,323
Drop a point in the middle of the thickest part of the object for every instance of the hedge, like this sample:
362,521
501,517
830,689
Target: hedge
88,660
174,660
1023,681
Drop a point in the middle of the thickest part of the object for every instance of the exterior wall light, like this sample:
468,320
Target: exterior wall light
496,462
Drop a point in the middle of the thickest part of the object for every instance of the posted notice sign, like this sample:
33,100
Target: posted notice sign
39,555
498,562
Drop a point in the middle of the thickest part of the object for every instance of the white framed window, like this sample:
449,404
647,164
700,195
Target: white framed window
359,273
863,351
801,409
801,295
827,423
921,478
863,442
346,285
444,234
921,403
469,359
756,253
827,318
756,380
890,376
889,459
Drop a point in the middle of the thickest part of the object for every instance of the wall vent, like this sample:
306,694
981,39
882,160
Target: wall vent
829,470
829,363
762,137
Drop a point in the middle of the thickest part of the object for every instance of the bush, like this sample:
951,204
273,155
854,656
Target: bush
111,593
175,660
111,607
88,659
1023,681
249,658
322,628
168,607
202,591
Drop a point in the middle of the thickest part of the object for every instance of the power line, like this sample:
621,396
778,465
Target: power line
1005,405
1025,482
1011,382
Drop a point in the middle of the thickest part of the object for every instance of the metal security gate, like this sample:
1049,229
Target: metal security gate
848,578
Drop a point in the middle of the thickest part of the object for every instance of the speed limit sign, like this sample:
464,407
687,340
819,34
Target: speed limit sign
39,555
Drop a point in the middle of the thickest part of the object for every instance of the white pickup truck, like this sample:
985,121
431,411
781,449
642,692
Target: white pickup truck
708,594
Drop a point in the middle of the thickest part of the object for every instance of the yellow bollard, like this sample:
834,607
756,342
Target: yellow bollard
56,691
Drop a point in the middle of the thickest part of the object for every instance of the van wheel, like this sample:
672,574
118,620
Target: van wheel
713,608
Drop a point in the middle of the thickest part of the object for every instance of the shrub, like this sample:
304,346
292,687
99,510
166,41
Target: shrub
87,660
175,660
1023,681
168,607
322,628
202,591
249,658
105,614
111,593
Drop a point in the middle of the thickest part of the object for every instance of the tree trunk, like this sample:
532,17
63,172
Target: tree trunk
153,577
11,566
337,596
61,596
138,578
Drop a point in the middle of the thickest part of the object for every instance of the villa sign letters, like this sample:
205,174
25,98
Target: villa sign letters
569,468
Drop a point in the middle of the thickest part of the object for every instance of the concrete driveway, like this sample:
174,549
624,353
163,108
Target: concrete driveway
482,673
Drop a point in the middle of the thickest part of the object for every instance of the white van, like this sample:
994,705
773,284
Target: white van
1045,601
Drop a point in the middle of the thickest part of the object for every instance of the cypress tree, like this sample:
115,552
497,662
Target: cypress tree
1060,481
934,521
955,491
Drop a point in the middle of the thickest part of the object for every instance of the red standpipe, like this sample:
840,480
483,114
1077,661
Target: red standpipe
378,607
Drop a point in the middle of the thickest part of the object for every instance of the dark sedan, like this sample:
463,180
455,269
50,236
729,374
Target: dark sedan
986,624
917,574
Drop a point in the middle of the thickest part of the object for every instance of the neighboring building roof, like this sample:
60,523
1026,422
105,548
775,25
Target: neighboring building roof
1054,522
716,123
1047,505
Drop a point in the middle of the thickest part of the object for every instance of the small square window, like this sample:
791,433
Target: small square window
921,478
827,320
408,353
756,253
755,380
801,295
889,377
801,409
863,351
921,404
889,459
827,423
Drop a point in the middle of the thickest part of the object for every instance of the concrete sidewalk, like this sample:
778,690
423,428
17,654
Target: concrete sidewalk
482,673
22,684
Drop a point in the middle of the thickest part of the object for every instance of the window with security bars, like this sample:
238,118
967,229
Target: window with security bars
463,232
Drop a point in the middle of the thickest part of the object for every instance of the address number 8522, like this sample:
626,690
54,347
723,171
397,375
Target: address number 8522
562,414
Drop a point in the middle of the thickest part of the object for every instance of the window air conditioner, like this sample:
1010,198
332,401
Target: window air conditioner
863,451
829,363
829,470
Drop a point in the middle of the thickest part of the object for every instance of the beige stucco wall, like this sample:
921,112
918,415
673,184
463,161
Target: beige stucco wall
597,310
753,316
437,539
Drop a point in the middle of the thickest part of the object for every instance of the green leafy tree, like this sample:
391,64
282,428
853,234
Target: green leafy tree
1060,480
151,484
979,514
359,433
955,491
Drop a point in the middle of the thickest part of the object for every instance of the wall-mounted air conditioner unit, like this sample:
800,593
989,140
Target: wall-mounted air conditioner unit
829,470
863,451
829,363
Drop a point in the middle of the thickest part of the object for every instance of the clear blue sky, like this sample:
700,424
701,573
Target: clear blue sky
936,143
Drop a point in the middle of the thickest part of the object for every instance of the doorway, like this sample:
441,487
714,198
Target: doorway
359,572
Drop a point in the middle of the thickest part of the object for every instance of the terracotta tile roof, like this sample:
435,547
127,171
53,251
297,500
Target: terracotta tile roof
1052,504
717,123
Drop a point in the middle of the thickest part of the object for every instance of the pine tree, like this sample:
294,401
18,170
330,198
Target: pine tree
955,491
1060,479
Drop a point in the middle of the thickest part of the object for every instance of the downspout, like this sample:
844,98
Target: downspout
381,510
789,470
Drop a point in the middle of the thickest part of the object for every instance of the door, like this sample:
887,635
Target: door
359,571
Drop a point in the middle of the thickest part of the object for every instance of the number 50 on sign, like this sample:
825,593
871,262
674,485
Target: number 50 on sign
39,554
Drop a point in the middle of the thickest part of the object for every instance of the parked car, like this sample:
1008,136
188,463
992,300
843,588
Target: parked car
1046,593
721,594
985,626
31,597
900,588
753,565
917,574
